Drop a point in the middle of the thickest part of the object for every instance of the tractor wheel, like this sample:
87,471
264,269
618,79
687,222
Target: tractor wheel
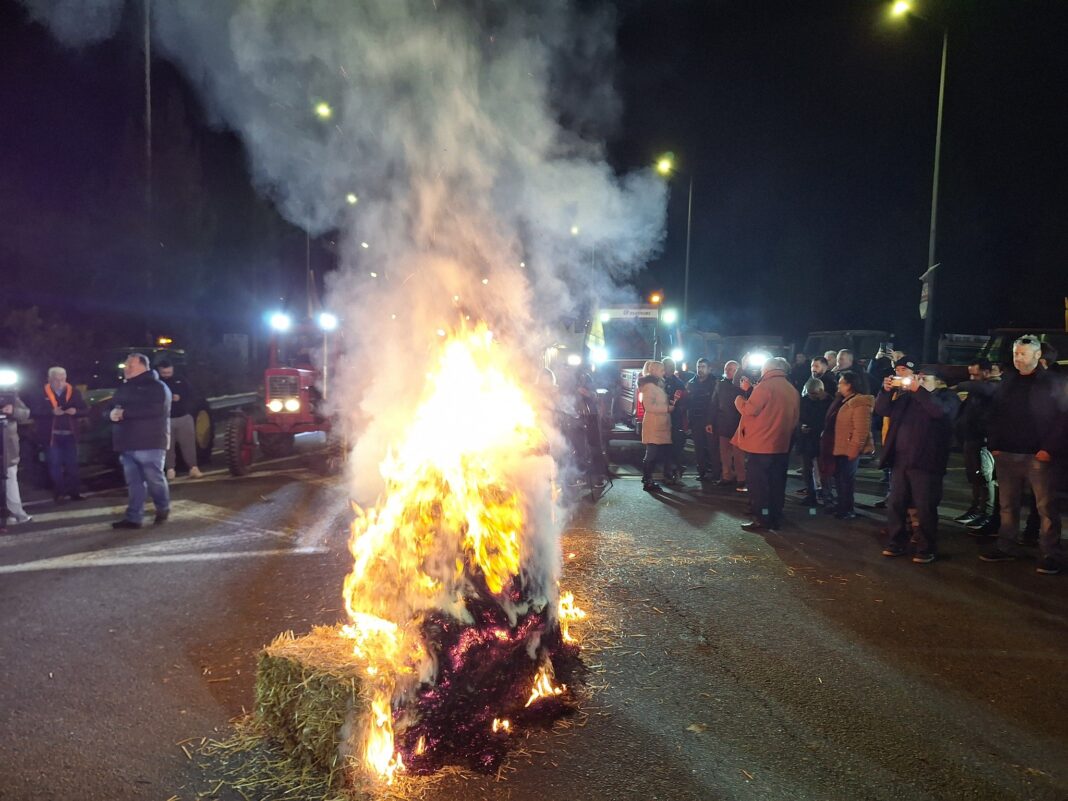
238,445
204,432
276,445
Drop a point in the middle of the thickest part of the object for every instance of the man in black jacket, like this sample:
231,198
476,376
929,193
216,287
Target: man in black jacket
725,419
917,450
699,392
1026,433
183,430
978,461
141,412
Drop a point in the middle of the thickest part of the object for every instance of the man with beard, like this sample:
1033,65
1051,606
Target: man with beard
699,393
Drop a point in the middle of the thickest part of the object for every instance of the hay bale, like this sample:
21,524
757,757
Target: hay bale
307,689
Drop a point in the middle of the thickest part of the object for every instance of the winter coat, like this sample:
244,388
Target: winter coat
673,384
769,415
183,405
852,427
921,425
974,418
45,421
725,414
813,415
20,414
146,414
656,425
1028,414
699,400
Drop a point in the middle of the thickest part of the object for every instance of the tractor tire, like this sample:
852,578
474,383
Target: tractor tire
238,447
204,433
275,446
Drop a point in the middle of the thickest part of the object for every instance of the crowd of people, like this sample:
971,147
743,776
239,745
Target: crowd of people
150,423
1012,429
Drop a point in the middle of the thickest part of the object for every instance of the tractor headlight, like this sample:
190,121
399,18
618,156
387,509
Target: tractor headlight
292,405
274,405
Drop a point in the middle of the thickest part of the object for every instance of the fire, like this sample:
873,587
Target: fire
567,612
502,724
543,686
449,526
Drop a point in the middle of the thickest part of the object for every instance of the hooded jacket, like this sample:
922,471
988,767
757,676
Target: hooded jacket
146,414
769,416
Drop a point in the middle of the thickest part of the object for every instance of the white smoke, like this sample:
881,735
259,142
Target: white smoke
444,119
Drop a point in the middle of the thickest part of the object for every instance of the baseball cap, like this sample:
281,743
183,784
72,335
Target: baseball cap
906,361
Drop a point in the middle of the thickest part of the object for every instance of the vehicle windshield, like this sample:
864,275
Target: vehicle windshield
629,337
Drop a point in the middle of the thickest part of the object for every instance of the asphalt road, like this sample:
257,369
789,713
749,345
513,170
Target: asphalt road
725,665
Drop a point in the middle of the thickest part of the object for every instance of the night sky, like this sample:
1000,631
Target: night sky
808,129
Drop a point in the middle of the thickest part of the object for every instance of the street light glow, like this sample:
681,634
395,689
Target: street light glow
677,355
280,321
664,165
352,199
323,110
574,359
900,8
669,316
574,230
655,298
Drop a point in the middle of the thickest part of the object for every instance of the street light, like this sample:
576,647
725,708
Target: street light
665,165
903,8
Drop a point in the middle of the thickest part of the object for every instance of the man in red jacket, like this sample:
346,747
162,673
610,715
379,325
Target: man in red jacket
769,419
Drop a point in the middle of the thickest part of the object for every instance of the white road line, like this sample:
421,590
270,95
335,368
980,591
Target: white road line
106,559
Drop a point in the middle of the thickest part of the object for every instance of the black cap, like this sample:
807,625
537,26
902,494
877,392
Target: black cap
906,361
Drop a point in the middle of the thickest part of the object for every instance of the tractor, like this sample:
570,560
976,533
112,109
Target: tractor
294,393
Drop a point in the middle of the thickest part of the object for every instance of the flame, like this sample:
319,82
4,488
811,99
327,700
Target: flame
543,686
567,611
502,724
452,511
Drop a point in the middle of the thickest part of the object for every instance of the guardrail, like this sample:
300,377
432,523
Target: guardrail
231,401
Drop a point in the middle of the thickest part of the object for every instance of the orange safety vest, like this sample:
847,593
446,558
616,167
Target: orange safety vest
55,405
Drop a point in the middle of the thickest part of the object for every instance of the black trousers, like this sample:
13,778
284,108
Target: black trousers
705,450
922,491
654,454
766,478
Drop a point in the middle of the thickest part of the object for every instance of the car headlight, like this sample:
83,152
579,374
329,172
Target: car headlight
292,405
274,405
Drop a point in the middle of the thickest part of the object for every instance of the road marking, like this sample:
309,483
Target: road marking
106,559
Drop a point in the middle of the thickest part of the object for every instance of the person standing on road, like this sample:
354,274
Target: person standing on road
769,418
972,427
699,393
852,437
16,412
675,389
844,362
724,422
656,426
916,449
56,412
813,414
183,432
141,412
1026,433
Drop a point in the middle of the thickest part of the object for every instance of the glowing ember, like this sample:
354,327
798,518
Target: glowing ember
452,596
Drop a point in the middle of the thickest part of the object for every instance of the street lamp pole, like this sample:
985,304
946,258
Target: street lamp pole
686,277
928,320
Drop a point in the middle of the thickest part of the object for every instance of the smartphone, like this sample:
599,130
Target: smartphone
901,381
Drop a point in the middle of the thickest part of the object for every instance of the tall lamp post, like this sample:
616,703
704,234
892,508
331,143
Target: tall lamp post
665,165
904,8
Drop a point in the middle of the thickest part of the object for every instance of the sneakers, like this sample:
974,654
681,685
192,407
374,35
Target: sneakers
124,523
980,522
968,517
845,515
1048,566
161,517
754,526
651,486
891,551
23,518
170,474
923,558
741,488
997,555
194,472
879,504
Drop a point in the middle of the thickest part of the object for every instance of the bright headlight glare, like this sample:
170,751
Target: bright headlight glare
598,355
327,321
292,405
280,321
8,377
677,355
574,359
274,405
757,359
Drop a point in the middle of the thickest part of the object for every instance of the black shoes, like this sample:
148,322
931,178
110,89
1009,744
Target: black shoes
892,551
923,558
161,517
997,555
651,486
845,515
755,527
124,523
968,517
77,497
1048,566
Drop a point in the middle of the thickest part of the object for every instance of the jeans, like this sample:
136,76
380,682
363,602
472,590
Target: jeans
14,498
1014,471
707,455
766,474
654,454
979,468
183,438
145,469
810,475
63,464
845,481
913,489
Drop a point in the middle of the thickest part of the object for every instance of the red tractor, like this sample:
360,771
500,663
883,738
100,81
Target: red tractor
293,401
